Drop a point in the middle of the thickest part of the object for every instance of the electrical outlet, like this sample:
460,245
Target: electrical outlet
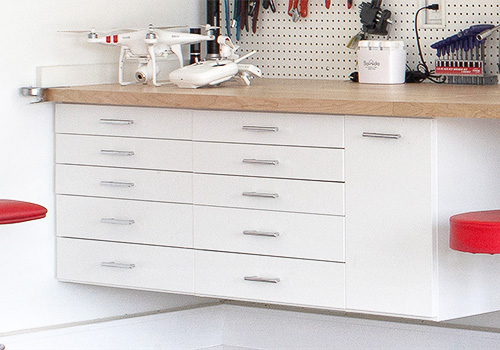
433,18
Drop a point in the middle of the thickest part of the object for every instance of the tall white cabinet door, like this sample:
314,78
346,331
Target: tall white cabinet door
389,215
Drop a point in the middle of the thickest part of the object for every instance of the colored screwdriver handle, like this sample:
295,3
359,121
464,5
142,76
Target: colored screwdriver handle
349,4
303,8
327,3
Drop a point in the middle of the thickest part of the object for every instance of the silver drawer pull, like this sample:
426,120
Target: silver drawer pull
260,195
381,135
261,279
117,184
118,265
116,121
260,233
261,161
109,152
117,221
260,128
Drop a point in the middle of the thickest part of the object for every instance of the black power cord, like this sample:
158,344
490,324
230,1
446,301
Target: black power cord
423,72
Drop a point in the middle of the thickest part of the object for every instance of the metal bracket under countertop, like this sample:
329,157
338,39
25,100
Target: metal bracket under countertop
33,92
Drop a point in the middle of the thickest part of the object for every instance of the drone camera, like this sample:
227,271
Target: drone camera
141,76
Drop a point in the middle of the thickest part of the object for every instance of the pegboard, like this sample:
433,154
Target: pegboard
315,47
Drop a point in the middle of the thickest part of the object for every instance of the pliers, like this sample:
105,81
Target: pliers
303,8
228,20
293,9
237,18
269,3
254,13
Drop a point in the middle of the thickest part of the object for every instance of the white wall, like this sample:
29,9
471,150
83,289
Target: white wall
29,294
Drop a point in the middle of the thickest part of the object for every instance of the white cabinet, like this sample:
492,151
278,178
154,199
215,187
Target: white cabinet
124,197
390,213
302,210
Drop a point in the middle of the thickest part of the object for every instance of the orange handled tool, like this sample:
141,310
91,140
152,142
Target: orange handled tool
327,3
303,8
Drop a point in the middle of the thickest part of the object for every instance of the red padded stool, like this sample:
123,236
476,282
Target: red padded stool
16,211
476,232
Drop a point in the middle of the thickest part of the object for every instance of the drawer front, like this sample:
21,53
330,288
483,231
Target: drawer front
124,152
301,282
124,121
124,183
125,221
125,265
269,161
307,236
271,194
269,128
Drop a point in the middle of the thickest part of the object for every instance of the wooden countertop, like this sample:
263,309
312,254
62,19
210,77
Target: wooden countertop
301,96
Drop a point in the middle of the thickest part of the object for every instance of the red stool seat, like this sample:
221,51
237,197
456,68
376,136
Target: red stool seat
476,232
16,211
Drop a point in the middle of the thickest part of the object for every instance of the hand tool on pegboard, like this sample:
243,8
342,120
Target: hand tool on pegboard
303,8
293,10
236,18
327,3
349,4
228,18
243,14
298,9
266,4
461,56
374,19
254,13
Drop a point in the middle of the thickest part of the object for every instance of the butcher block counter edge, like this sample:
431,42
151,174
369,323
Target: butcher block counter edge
300,96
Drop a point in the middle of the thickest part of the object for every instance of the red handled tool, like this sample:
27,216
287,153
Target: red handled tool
303,8
349,4
327,3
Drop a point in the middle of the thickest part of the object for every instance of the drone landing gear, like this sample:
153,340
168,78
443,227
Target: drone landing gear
147,70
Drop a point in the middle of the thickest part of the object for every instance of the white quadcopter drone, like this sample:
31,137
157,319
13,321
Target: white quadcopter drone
146,46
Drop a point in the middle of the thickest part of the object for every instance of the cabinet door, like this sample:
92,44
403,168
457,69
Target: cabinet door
389,215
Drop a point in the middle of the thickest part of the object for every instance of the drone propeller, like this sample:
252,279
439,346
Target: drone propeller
93,31
151,27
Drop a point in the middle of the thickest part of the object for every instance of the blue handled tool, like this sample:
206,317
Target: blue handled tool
228,18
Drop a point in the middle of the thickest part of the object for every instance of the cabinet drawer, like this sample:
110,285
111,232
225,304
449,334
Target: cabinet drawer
125,265
124,152
270,161
124,121
269,128
125,220
301,282
308,236
270,194
124,183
